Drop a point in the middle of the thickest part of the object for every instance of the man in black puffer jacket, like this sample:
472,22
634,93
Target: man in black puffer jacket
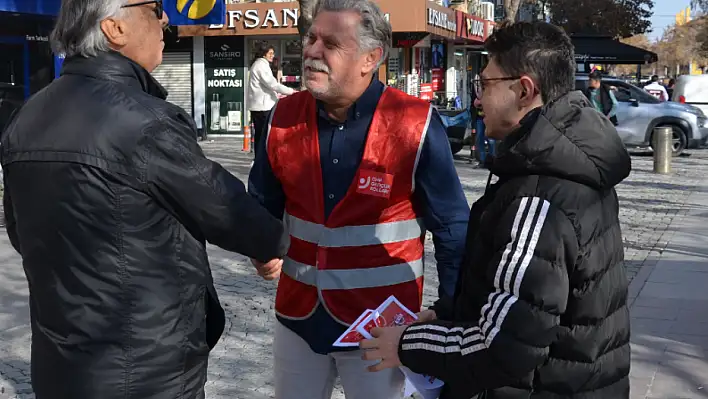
541,304
110,202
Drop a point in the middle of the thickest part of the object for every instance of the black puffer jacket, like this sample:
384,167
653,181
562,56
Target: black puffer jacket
110,200
541,306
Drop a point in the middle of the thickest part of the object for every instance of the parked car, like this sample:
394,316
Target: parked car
692,90
638,113
11,99
457,124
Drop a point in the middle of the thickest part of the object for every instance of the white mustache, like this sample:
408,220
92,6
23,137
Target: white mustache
316,65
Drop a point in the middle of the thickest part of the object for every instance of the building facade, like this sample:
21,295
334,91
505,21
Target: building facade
429,58
27,63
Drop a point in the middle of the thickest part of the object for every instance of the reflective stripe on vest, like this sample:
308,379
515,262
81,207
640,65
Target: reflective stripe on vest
354,236
349,279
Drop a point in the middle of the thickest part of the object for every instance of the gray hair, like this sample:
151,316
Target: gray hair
374,29
78,27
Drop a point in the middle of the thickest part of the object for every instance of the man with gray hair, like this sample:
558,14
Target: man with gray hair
359,171
110,202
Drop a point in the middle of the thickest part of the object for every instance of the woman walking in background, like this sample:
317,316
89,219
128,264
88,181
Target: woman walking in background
263,90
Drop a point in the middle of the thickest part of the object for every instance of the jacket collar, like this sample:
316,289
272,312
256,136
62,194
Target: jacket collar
114,67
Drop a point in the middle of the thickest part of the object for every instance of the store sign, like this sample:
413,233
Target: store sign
441,20
490,28
437,79
41,7
58,63
37,38
469,27
426,91
271,18
252,19
195,12
407,39
224,65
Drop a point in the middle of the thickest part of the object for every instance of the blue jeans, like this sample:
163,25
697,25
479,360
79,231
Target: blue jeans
481,145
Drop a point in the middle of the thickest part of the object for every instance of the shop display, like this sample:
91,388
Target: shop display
293,48
224,69
215,112
234,117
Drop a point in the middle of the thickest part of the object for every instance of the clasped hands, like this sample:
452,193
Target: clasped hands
270,270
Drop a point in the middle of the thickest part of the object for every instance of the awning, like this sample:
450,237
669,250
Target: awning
606,50
41,7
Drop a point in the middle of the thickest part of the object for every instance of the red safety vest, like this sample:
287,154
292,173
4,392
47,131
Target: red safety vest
371,245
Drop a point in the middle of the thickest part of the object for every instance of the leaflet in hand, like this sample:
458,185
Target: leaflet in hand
389,314
428,387
352,336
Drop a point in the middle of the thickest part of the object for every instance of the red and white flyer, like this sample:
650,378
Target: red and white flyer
390,313
352,336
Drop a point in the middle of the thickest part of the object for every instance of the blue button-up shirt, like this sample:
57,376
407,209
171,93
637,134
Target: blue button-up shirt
438,197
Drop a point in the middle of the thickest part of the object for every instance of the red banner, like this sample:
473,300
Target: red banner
426,91
438,78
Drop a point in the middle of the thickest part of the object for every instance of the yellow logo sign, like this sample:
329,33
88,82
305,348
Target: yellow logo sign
195,9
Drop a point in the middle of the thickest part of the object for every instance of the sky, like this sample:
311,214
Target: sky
664,15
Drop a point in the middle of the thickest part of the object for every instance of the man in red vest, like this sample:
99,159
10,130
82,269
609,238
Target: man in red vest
359,172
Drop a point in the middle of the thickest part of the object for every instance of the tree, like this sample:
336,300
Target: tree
304,21
616,18
511,8
699,5
307,8
681,45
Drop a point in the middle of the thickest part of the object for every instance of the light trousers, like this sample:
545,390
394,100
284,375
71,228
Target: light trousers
301,373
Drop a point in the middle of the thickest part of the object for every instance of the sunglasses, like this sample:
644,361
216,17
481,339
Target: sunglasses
159,9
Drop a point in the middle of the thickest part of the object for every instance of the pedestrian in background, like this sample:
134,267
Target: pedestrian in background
541,306
263,90
670,88
486,146
601,97
656,89
110,201
359,171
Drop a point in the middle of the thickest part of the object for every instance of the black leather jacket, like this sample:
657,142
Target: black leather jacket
110,201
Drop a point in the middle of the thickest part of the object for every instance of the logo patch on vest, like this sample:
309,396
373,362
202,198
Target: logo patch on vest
374,183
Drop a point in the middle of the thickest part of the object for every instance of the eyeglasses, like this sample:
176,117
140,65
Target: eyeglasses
480,83
159,9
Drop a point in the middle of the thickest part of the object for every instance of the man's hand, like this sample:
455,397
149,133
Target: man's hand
426,316
269,271
383,347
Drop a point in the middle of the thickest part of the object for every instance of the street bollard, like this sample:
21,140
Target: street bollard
246,139
662,143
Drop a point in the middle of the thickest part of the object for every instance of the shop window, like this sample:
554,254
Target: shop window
41,65
291,64
12,64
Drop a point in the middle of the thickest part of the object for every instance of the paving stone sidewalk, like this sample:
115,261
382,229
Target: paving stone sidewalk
669,300
240,365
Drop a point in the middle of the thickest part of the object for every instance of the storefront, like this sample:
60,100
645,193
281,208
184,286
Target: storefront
175,72
422,61
470,55
27,62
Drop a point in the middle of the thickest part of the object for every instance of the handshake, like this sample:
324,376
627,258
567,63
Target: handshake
269,270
